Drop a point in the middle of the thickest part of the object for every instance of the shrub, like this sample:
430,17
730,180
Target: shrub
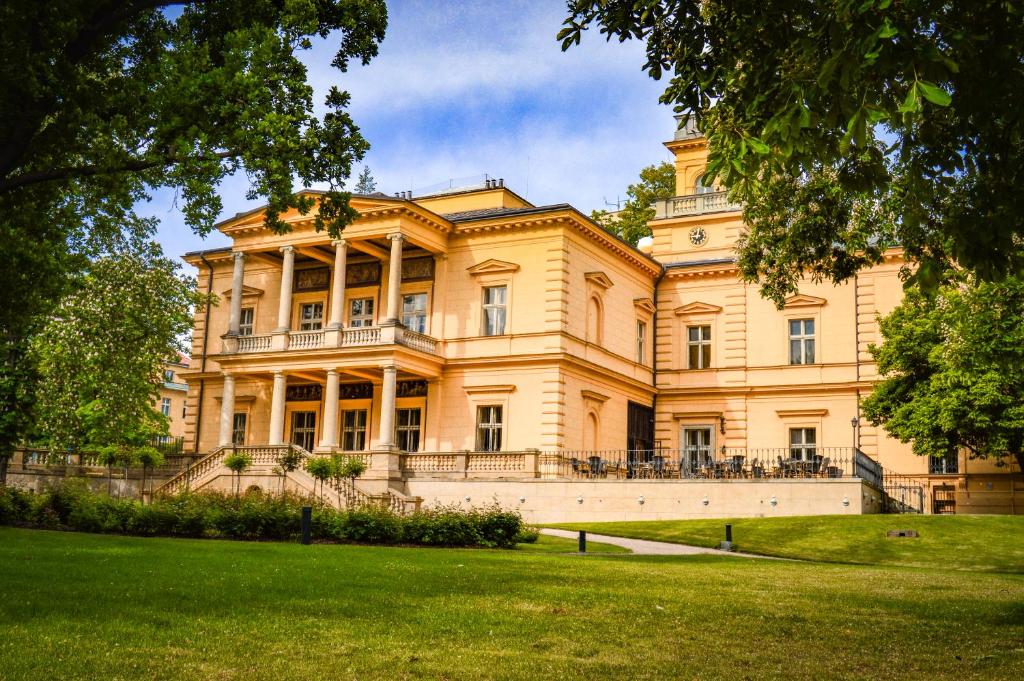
370,526
528,535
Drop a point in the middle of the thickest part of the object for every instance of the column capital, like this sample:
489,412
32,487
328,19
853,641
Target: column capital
277,372
332,372
390,369
287,249
238,255
338,243
396,236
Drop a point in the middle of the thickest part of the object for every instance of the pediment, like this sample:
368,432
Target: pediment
645,304
493,266
801,300
247,291
697,308
599,279
594,396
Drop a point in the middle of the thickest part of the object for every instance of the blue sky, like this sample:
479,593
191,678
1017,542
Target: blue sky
462,89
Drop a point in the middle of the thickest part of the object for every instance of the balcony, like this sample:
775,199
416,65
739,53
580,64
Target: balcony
694,204
366,336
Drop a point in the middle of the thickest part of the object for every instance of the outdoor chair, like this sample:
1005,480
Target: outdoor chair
658,467
823,468
596,467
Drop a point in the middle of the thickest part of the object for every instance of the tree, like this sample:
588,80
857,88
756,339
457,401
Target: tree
953,368
99,356
322,469
238,463
656,182
366,184
903,116
105,100
148,457
287,462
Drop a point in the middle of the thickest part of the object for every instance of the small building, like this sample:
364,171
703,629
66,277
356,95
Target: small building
173,395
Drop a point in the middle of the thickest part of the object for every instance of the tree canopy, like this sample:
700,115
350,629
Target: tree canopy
100,355
848,126
365,183
953,370
106,100
656,182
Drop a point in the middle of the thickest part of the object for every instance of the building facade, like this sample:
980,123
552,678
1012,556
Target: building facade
476,322
173,394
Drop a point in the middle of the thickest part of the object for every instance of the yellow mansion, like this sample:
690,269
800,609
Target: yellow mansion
472,345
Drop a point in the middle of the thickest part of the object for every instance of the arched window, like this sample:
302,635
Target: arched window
699,188
591,432
595,319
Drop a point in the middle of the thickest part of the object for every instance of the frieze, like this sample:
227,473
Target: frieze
412,389
316,279
303,392
362,274
356,391
418,269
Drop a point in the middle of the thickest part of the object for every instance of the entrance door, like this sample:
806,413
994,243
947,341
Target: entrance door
697,447
304,429
639,435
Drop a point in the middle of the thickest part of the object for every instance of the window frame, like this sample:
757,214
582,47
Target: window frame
485,306
804,339
165,406
487,431
357,431
641,341
319,322
235,440
247,328
407,430
808,451
422,314
702,345
363,320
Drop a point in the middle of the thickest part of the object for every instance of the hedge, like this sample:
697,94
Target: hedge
255,515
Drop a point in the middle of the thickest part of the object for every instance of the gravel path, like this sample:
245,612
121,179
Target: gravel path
643,547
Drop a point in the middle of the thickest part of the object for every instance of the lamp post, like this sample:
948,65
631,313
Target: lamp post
855,424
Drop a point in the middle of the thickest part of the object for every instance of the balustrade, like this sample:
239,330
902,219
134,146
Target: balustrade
259,343
304,340
694,204
349,338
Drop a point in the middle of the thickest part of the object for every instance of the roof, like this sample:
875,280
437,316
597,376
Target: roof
209,251
698,263
482,213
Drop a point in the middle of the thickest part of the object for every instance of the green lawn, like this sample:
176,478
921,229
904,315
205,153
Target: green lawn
982,543
108,607
547,544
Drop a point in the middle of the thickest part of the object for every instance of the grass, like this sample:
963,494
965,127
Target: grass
79,606
978,543
548,544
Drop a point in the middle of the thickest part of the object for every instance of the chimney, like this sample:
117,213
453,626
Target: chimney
501,181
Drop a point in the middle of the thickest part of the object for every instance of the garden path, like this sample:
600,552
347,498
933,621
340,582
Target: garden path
643,547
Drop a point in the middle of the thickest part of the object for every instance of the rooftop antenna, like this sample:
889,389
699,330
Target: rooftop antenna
617,204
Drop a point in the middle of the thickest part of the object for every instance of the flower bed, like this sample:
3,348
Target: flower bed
255,516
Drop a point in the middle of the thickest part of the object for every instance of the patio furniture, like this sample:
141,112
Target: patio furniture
596,467
823,471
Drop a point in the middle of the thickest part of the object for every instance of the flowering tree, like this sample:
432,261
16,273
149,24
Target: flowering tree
99,355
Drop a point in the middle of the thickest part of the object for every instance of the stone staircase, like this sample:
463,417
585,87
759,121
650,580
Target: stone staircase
344,493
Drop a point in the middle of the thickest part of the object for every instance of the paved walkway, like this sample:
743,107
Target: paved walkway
643,547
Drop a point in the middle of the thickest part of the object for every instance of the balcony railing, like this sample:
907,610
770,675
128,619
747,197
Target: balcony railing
344,338
694,204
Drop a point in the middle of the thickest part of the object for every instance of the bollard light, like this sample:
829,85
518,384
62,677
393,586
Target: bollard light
640,500
774,502
846,501
522,500
579,499
706,501
467,500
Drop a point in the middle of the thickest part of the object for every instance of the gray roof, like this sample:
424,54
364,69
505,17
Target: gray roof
482,213
698,263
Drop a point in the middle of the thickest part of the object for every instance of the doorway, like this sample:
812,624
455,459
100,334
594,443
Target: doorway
698,444
304,429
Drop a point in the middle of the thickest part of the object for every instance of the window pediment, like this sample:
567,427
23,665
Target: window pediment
492,389
800,413
593,396
247,292
493,266
645,304
697,308
801,300
599,279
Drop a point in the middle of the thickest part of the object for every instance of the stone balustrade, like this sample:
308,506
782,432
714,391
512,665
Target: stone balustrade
694,204
344,338
305,340
259,343
466,464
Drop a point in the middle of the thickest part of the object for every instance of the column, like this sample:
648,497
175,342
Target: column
284,310
387,408
236,294
394,277
338,284
330,430
227,410
277,408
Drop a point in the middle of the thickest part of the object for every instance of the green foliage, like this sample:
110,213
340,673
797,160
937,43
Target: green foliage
321,468
656,182
907,110
106,101
254,515
99,355
365,184
238,462
346,467
148,456
953,368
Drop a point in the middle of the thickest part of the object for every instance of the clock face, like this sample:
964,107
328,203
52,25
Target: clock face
698,236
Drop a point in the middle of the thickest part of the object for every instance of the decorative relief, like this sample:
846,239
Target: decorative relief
362,274
316,279
356,391
412,389
418,269
304,392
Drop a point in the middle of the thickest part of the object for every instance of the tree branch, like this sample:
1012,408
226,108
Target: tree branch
131,166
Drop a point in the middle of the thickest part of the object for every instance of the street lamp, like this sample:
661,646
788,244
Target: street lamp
854,424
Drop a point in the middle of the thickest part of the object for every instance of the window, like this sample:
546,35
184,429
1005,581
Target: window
697,446
699,188
595,320
414,312
245,321
948,464
304,429
407,429
801,341
802,444
311,316
238,423
698,347
168,376
165,407
360,312
353,430
641,341
488,429
494,310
